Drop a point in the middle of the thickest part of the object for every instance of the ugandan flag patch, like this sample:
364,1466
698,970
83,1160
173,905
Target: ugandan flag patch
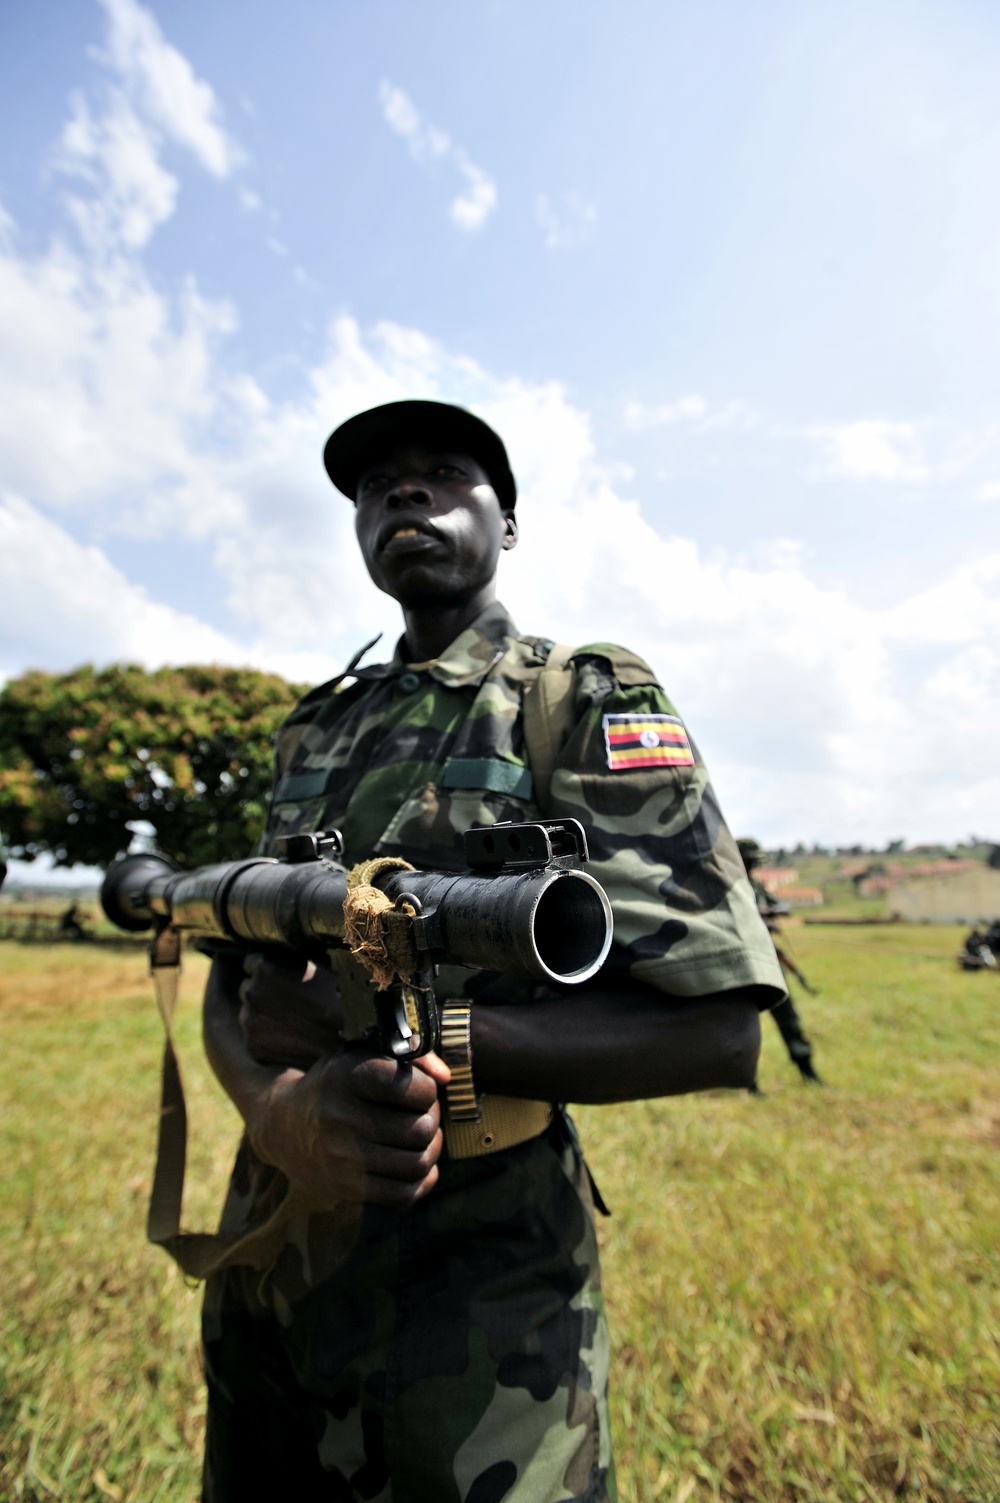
646,741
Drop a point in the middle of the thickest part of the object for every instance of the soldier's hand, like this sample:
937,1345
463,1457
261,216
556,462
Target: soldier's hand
355,1126
290,1010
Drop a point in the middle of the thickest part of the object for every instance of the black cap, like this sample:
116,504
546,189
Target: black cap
360,441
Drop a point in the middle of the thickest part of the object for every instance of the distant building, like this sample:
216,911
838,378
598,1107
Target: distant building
803,897
783,882
964,896
888,876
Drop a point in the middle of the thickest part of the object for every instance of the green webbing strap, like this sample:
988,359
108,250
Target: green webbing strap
301,785
548,718
491,773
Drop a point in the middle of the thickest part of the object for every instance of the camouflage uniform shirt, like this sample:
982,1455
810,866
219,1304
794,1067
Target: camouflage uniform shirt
457,1353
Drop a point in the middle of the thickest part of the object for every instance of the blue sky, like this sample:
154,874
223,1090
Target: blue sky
727,278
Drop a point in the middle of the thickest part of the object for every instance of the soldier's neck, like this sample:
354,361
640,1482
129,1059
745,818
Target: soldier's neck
431,627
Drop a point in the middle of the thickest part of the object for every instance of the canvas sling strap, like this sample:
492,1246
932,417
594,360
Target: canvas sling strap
198,1254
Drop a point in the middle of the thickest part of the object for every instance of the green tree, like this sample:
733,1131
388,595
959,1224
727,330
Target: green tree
84,755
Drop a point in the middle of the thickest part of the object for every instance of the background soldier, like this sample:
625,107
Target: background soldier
785,1013
437,1333
70,926
981,948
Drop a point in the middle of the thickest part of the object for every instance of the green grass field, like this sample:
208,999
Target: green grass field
804,1291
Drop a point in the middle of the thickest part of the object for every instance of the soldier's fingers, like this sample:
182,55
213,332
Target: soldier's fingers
387,1083
433,1065
266,984
277,967
249,1022
396,1194
375,1124
254,986
397,1163
253,993
272,1042
345,1167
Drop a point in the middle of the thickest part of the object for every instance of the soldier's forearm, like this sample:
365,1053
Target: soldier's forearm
610,1046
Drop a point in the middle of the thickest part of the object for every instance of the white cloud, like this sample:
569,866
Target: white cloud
691,410
64,603
162,81
471,208
104,388
685,409
425,141
116,154
990,491
115,148
473,205
875,450
567,223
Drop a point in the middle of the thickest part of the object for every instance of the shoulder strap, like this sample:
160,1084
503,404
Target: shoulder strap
197,1253
549,705
548,717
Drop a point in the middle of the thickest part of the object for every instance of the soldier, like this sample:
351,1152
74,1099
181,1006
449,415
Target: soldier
977,952
785,1014
437,1332
70,926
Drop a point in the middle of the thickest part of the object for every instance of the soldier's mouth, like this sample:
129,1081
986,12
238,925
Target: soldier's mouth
407,535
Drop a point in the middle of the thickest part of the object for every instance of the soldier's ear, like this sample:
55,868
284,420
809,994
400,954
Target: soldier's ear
510,531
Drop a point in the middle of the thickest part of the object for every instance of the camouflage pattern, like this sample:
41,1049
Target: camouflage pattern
459,1351
454,1353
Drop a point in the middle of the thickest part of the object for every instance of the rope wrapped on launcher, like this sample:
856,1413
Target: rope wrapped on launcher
376,931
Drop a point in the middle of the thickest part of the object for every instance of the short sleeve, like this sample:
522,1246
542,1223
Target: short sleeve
685,916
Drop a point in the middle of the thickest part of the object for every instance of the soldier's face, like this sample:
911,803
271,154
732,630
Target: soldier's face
429,525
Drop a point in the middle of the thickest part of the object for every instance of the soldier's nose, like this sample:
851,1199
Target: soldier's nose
408,493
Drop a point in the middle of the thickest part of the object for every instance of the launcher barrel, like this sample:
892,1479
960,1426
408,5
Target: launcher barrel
548,924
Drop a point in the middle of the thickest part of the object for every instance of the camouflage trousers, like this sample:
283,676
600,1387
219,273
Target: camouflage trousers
456,1353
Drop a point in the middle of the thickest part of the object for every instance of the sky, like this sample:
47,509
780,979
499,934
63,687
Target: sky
725,278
